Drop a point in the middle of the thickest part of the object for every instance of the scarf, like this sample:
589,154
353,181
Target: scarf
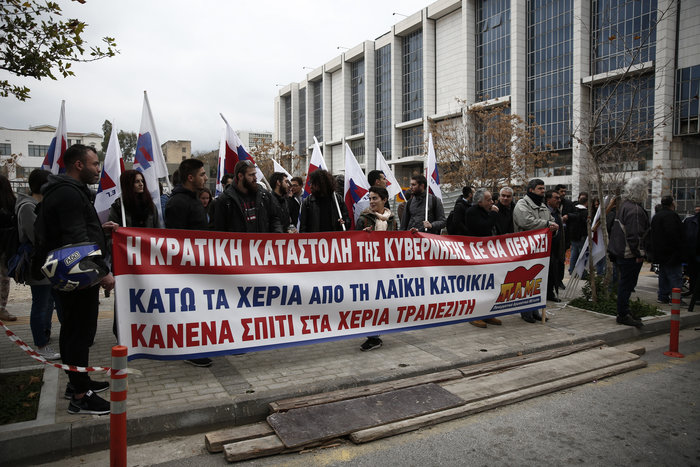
381,220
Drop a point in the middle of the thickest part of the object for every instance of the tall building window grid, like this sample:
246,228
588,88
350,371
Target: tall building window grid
492,49
623,33
686,192
687,96
358,149
302,121
317,87
412,76
288,120
37,150
412,139
626,107
357,97
550,71
5,149
382,62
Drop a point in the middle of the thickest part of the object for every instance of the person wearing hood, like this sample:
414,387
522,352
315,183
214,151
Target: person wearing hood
531,213
376,217
42,297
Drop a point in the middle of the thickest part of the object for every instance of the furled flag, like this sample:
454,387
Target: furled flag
220,169
315,163
109,188
53,161
598,250
392,185
234,151
433,176
148,157
356,187
278,168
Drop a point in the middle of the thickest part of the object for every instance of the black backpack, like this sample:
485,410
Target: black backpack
9,235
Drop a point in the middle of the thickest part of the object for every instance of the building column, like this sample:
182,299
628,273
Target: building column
581,98
518,58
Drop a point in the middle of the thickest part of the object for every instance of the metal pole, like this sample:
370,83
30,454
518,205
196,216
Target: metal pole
117,417
675,324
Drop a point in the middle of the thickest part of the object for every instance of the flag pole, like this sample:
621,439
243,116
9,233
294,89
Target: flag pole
427,194
340,214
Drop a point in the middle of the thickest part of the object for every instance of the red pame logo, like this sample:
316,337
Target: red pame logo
521,283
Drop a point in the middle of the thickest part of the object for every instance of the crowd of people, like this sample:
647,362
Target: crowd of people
245,206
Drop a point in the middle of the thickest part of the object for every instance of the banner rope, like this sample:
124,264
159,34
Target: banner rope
80,369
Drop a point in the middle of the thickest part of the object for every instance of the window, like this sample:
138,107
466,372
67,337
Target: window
358,148
624,33
492,49
626,107
288,120
412,76
37,150
412,141
686,111
357,97
184,149
382,63
302,121
317,87
5,149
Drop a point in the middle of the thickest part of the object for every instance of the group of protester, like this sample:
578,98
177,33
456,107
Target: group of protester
69,217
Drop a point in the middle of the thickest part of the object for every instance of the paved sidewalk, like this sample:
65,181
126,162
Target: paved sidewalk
174,397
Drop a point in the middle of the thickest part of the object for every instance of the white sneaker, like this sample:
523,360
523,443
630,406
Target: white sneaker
48,353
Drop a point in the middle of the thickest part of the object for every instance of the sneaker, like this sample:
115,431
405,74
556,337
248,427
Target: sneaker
527,316
371,343
90,403
478,323
95,386
495,321
629,320
200,362
48,353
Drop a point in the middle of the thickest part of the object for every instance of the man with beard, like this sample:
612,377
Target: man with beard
280,190
245,207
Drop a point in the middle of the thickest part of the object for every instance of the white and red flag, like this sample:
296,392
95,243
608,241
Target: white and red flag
53,161
315,163
392,185
148,158
356,193
109,188
432,171
233,151
278,168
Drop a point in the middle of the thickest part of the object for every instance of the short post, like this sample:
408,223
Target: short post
117,417
675,324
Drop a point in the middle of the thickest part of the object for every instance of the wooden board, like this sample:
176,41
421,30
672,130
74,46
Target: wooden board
481,386
215,440
257,447
305,425
404,426
360,391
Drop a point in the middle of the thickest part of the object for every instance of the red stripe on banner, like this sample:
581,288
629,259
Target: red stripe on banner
160,251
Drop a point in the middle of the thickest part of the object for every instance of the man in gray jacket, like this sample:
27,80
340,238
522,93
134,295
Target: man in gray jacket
531,213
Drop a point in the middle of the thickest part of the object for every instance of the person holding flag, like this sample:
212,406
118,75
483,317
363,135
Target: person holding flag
139,210
414,218
323,210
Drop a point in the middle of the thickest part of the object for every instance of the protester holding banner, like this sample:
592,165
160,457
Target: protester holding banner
280,191
324,210
531,213
414,216
553,199
138,204
505,205
69,217
463,203
244,206
185,211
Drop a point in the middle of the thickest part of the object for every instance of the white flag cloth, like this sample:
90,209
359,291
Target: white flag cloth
278,168
149,156
597,252
53,161
234,151
109,188
315,163
433,175
356,192
221,167
392,185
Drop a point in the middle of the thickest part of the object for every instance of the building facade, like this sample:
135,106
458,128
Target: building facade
587,71
252,139
32,145
176,151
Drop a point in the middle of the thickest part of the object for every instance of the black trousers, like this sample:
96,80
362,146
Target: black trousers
78,329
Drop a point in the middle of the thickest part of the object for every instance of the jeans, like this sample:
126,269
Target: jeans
670,277
628,269
576,247
41,313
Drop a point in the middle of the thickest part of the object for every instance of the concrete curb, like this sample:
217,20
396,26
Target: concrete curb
28,445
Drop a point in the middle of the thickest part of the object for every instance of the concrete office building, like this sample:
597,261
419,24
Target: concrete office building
552,59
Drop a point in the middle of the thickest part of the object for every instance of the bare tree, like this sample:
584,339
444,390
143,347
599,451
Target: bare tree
488,147
265,152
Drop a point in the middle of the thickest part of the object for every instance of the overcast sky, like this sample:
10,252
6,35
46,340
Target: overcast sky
197,59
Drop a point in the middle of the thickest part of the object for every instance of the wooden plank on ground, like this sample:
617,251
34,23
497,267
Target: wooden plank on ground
350,393
404,426
511,362
481,386
251,448
215,440
632,347
317,423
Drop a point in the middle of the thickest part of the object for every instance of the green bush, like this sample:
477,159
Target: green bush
607,301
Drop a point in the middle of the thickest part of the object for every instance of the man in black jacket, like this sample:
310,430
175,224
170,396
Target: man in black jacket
481,218
68,217
280,191
185,211
245,207
666,241
504,224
